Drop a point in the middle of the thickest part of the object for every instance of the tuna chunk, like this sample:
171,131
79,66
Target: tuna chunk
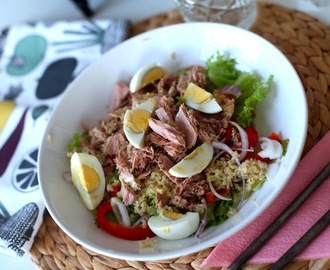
120,97
166,131
186,126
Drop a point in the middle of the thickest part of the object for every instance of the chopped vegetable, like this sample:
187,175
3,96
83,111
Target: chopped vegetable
221,71
250,89
75,144
120,212
253,92
244,140
271,149
110,225
213,195
253,136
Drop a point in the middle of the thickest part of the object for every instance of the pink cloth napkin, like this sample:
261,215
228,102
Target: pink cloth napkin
304,218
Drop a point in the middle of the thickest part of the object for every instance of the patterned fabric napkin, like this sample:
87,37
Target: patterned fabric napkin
37,62
313,209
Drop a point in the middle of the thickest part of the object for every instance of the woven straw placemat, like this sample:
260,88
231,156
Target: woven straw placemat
306,43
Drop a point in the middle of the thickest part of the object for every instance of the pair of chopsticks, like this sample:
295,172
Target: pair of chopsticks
270,230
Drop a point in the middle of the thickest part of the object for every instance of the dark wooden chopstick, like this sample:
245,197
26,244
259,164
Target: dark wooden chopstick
270,230
321,224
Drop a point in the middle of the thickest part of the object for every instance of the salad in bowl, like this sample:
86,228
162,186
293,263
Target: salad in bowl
176,153
170,143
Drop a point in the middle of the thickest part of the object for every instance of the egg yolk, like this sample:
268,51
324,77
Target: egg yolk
138,120
171,215
197,94
90,179
152,75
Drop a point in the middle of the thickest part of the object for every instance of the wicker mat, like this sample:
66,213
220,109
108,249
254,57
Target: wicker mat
306,43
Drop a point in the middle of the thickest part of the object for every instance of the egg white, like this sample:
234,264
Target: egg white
192,91
209,107
194,163
137,139
173,229
90,199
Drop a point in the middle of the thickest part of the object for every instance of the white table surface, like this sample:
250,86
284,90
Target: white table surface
15,11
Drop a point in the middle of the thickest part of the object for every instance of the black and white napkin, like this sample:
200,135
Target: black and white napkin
38,60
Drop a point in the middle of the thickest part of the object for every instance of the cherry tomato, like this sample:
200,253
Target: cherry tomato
211,198
253,136
117,230
275,136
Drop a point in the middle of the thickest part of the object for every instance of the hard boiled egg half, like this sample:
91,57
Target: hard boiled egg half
136,122
172,226
88,178
146,75
200,100
193,163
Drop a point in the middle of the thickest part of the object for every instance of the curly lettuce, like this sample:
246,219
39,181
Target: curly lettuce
222,71
254,90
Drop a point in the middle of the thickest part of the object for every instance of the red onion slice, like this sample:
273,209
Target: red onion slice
227,149
244,140
233,90
203,222
120,211
142,221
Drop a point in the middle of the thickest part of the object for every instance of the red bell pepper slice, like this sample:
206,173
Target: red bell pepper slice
117,230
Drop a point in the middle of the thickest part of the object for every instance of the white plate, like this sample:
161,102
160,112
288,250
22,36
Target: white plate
284,111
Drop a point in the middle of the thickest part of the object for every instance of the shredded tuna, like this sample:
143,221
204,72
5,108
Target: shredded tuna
161,200
128,195
120,96
186,126
164,115
115,144
192,186
165,163
140,160
227,104
209,128
197,76
98,137
167,132
166,86
175,151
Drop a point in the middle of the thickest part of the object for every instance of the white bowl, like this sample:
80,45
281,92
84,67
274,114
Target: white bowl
284,111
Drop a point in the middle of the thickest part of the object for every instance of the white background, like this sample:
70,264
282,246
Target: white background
14,11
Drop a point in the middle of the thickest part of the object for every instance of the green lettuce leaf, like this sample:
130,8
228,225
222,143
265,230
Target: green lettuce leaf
254,90
221,70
